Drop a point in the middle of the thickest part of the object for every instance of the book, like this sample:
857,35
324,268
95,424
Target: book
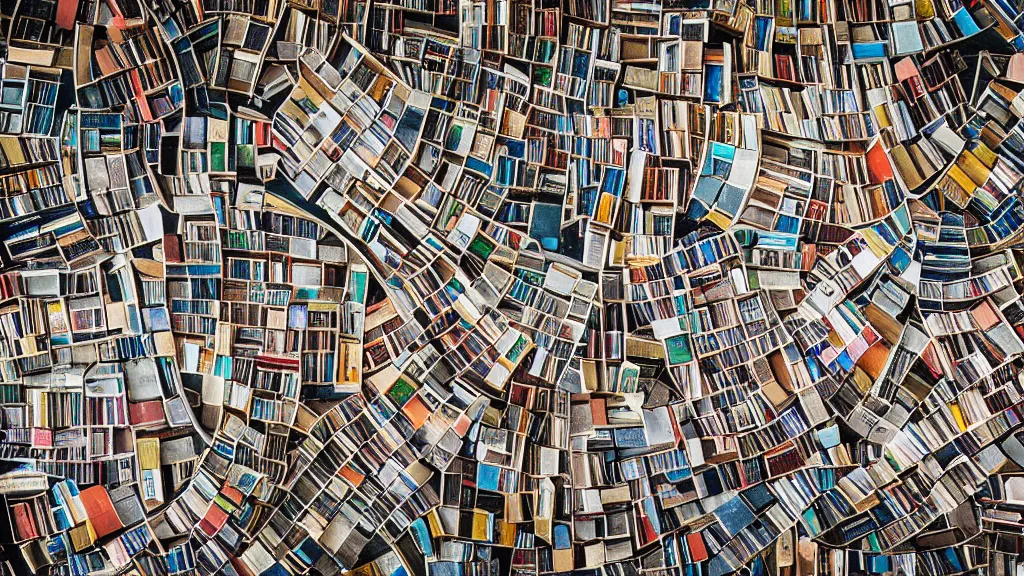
103,519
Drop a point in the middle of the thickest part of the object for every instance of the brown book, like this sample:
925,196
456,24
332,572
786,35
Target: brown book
83,74
105,61
598,411
172,248
563,560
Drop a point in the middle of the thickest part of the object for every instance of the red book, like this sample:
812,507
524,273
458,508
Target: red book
146,413
42,437
647,532
24,522
262,134
140,96
66,11
879,168
214,520
101,511
698,553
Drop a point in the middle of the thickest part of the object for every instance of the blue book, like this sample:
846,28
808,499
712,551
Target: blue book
868,51
309,551
630,437
734,516
829,437
965,22
487,477
714,75
421,533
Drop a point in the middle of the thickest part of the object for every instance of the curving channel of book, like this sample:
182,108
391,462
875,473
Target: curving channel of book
511,287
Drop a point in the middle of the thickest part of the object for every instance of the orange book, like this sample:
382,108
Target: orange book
879,168
416,411
698,552
261,134
101,511
350,474
232,494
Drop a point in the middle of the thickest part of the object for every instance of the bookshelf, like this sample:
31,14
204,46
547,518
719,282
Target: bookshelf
524,287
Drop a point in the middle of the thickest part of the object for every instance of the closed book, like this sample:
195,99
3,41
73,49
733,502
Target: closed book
695,542
599,411
127,505
879,168
101,511
66,10
105,61
147,413
214,520
172,248
24,522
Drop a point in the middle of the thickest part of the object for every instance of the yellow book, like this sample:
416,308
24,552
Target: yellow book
719,219
882,114
985,154
604,208
43,410
148,450
436,524
482,525
958,416
962,179
82,536
618,251
506,534
590,378
12,150
910,172
973,167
